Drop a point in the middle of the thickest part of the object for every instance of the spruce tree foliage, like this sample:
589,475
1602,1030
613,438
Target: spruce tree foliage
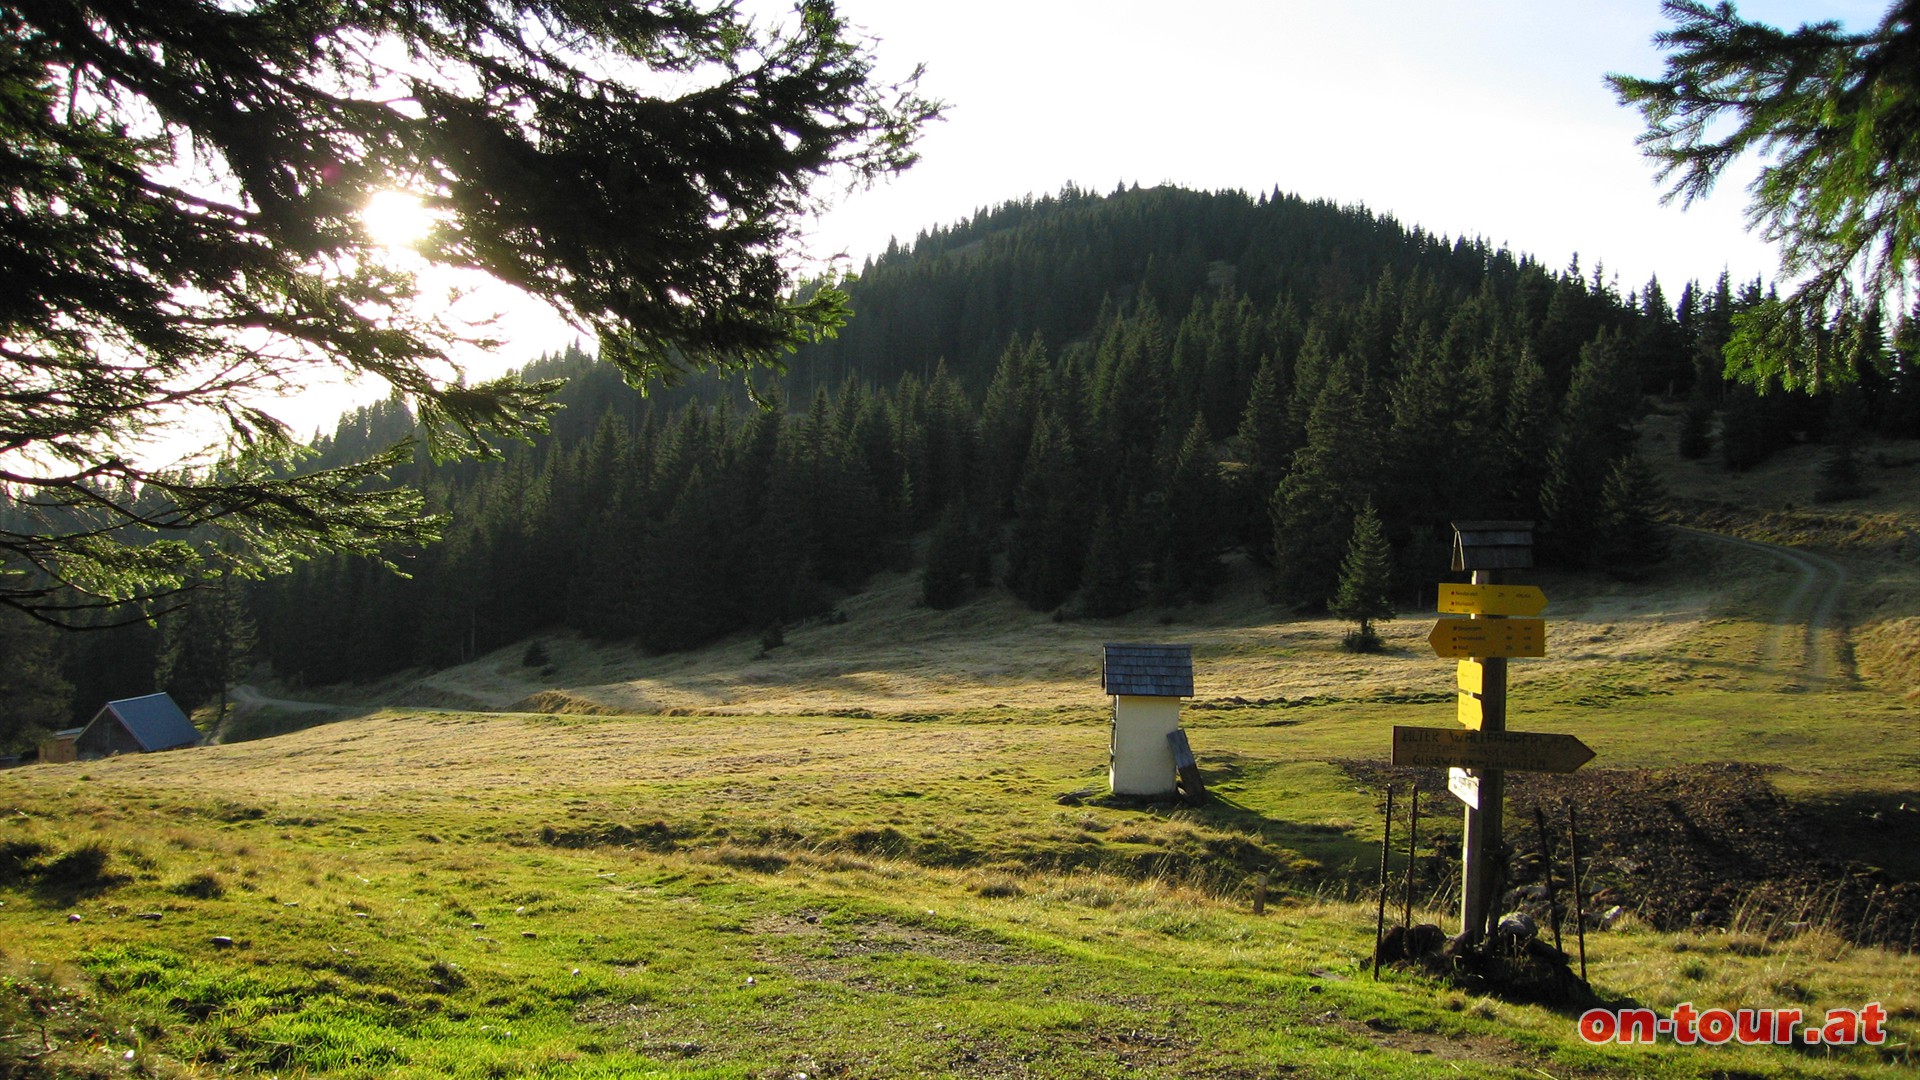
1007,417
1332,475
950,558
1192,531
1831,115
1628,537
1110,580
1366,578
1840,474
1595,430
205,645
1696,429
35,698
1263,446
1048,540
181,230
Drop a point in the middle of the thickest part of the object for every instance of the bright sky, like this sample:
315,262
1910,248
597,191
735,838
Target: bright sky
1486,118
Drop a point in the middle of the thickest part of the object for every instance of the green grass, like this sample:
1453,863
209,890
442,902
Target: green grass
448,895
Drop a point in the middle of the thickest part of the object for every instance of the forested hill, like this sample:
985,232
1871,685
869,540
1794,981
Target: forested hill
1132,385
1086,400
1053,266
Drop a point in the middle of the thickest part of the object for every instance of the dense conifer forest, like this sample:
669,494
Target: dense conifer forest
1088,401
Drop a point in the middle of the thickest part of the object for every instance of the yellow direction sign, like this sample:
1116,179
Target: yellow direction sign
1492,599
1472,676
1526,751
1471,713
1489,637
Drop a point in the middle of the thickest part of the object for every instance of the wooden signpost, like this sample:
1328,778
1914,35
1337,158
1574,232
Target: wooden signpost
1526,751
1500,624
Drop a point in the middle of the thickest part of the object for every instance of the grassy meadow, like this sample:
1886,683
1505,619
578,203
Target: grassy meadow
883,850
449,894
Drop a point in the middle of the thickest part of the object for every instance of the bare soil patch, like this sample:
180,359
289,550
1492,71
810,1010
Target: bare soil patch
1708,846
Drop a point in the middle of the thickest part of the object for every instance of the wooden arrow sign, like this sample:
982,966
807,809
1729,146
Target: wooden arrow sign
1525,751
1489,637
1492,599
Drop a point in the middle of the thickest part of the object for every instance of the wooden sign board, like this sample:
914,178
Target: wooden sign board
1489,637
1464,785
1472,713
1492,599
1524,751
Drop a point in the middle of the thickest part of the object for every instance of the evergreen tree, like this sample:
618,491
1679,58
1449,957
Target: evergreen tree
1338,469
1013,402
204,648
1366,577
1595,431
35,699
1840,476
1048,541
1524,438
1263,447
184,185
950,549
1627,535
1191,533
1831,115
1110,582
1752,426
1696,424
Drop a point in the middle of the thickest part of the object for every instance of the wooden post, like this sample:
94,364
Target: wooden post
1380,917
1480,839
1413,839
1546,856
1190,786
1579,916
1260,894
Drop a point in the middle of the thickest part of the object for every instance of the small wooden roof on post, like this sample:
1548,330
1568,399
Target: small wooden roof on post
1147,670
1492,545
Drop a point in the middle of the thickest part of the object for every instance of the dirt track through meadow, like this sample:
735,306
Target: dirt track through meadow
1804,635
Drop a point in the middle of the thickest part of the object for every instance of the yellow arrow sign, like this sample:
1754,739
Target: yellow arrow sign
1492,599
1489,637
1527,751
1471,714
1472,676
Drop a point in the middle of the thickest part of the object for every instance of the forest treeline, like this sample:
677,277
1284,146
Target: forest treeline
1088,401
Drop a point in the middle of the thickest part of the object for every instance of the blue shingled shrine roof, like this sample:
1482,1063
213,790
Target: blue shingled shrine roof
1148,670
154,721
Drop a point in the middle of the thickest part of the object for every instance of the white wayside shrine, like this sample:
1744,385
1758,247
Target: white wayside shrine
1147,683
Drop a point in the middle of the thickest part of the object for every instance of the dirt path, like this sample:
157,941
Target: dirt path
247,697
1800,627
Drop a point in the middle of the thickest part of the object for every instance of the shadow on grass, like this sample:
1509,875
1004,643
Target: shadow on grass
63,880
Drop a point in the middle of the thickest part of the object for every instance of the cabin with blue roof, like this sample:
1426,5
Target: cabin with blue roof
139,725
